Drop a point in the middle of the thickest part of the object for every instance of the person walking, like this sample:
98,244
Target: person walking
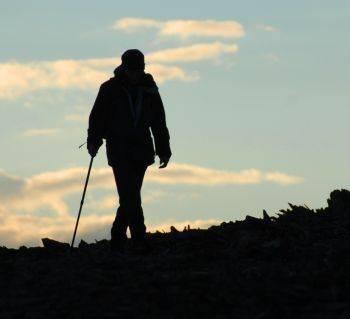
127,108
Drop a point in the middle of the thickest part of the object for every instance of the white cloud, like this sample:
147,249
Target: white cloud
179,173
267,28
282,178
105,203
17,230
129,24
153,196
49,189
17,78
183,28
40,132
164,73
109,202
195,52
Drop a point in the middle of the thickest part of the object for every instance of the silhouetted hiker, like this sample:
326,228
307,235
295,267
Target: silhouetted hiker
126,108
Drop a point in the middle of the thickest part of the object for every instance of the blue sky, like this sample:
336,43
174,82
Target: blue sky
255,93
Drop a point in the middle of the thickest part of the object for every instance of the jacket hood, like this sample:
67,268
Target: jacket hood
146,82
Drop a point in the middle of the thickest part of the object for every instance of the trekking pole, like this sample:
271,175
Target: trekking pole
81,203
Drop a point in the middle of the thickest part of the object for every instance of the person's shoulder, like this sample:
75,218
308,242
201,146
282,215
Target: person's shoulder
149,84
110,86
107,84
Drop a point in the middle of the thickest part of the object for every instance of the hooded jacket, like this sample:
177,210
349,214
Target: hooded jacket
126,126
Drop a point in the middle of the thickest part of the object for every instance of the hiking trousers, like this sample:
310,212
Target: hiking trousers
128,175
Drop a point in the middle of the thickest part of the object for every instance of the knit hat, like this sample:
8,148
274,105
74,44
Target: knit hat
133,59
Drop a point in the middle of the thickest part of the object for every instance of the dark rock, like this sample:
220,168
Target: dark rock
173,229
83,244
54,244
266,217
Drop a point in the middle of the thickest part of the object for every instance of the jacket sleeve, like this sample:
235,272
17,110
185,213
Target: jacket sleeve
159,129
95,131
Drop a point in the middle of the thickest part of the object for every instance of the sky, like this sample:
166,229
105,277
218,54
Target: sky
255,95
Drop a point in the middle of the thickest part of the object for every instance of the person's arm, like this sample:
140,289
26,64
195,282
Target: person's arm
96,122
159,129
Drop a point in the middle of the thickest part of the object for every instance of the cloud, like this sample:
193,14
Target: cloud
154,196
17,78
136,23
10,185
22,197
164,73
49,189
109,202
105,203
195,52
181,173
183,28
282,178
40,132
267,28
17,230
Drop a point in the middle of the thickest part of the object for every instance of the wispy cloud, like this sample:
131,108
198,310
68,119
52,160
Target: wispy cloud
267,28
164,73
109,202
154,196
17,78
181,173
282,178
48,189
16,230
132,24
40,132
183,28
191,53
21,198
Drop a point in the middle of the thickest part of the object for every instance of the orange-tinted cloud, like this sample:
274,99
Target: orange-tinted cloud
183,28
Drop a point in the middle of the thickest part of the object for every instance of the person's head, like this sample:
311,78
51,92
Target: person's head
133,62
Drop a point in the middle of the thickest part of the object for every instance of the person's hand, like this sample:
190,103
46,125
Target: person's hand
92,149
163,161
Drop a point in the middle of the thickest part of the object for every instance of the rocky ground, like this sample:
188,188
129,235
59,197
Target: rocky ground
296,265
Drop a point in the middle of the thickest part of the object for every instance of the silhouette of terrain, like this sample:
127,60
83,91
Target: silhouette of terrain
294,265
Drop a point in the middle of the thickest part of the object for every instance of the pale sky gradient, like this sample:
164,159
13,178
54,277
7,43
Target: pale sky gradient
255,93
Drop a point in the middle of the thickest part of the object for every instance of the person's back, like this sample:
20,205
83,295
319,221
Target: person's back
127,107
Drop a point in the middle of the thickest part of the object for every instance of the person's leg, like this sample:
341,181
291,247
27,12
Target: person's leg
129,177
120,224
136,217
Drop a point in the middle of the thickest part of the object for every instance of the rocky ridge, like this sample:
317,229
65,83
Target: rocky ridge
293,265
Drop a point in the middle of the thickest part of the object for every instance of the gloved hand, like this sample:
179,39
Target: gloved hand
163,161
93,148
